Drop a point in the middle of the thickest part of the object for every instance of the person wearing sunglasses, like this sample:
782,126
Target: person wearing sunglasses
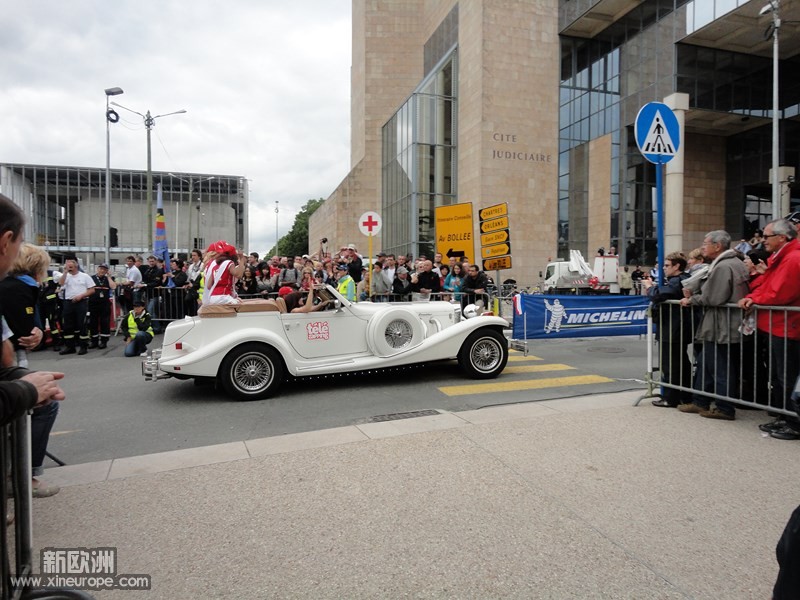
779,285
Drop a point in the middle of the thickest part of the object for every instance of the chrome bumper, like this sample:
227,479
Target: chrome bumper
150,369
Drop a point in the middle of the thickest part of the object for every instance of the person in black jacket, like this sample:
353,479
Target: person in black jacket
20,389
473,287
153,278
100,307
401,286
674,331
426,281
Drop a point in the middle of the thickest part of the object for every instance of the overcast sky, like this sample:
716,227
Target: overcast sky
266,86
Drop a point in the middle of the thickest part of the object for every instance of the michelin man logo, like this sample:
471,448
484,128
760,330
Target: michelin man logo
557,314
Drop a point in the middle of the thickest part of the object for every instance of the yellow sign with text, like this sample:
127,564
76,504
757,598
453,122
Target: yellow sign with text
495,264
496,237
496,250
454,231
492,212
494,225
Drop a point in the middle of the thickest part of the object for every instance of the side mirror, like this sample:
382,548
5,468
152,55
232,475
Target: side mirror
540,275
337,305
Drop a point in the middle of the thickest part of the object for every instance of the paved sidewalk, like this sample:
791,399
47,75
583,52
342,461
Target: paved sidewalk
585,497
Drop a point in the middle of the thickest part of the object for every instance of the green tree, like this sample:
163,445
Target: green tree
295,242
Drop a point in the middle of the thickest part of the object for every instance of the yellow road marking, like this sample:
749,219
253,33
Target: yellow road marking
516,386
512,358
65,431
537,368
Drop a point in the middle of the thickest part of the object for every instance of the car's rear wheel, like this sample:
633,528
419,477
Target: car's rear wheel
484,354
251,372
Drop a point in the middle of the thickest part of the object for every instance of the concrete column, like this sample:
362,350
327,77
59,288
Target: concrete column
673,182
785,176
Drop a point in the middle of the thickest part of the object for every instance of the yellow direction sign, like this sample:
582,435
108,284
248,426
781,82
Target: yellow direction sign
495,264
494,225
454,231
492,212
496,250
487,239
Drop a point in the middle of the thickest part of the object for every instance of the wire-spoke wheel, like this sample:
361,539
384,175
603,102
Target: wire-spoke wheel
398,334
484,354
251,372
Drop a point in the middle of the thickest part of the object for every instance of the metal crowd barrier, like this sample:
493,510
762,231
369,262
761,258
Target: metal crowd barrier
762,367
16,538
170,304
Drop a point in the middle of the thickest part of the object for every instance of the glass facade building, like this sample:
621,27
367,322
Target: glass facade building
419,157
646,55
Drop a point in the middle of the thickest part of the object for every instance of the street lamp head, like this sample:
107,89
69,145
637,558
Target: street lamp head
115,91
767,8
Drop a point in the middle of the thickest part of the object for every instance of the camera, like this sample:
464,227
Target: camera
324,240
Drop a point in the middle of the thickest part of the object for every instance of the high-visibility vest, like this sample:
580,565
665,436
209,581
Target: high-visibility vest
133,326
347,288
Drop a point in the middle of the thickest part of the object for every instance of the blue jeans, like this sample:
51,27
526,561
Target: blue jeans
42,421
153,307
138,344
717,368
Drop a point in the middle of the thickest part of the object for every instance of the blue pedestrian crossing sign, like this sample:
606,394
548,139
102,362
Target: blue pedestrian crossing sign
657,132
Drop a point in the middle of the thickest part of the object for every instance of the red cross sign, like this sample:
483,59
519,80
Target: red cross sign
370,223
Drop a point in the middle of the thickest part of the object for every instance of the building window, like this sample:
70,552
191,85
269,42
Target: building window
419,162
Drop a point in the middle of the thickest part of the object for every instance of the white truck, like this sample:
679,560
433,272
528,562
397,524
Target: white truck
575,277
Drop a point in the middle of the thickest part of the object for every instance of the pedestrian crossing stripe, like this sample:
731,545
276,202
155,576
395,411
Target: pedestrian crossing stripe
518,386
537,368
530,357
658,140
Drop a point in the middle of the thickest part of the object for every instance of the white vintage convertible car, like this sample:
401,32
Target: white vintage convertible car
252,347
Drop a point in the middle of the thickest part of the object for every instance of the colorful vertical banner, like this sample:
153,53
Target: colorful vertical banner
160,246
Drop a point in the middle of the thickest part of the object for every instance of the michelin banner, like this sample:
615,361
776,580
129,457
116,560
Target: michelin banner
539,317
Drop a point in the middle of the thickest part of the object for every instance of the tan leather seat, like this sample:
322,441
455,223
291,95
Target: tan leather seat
258,305
216,311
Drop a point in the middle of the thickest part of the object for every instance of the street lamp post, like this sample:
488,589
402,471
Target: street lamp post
149,123
773,7
192,183
111,117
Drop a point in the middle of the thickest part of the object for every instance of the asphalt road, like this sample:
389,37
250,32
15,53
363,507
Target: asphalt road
112,412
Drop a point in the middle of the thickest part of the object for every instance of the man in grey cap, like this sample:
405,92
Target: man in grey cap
401,285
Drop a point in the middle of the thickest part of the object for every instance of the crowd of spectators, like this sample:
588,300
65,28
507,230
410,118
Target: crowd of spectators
732,314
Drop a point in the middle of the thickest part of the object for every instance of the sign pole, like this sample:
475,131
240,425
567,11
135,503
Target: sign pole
370,224
658,137
660,221
498,307
369,262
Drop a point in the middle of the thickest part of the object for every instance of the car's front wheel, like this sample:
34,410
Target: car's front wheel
251,372
484,354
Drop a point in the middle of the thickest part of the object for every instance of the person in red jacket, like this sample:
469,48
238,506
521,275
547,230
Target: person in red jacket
780,286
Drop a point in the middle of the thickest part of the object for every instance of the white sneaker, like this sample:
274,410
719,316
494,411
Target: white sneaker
143,354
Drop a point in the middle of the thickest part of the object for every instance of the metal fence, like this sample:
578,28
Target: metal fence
755,367
16,532
169,304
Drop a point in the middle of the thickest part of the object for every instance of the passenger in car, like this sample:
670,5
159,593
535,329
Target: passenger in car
297,302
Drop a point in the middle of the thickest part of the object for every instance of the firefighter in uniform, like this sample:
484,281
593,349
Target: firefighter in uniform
100,307
77,287
50,307
137,329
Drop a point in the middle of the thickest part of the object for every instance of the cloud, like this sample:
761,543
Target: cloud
266,86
